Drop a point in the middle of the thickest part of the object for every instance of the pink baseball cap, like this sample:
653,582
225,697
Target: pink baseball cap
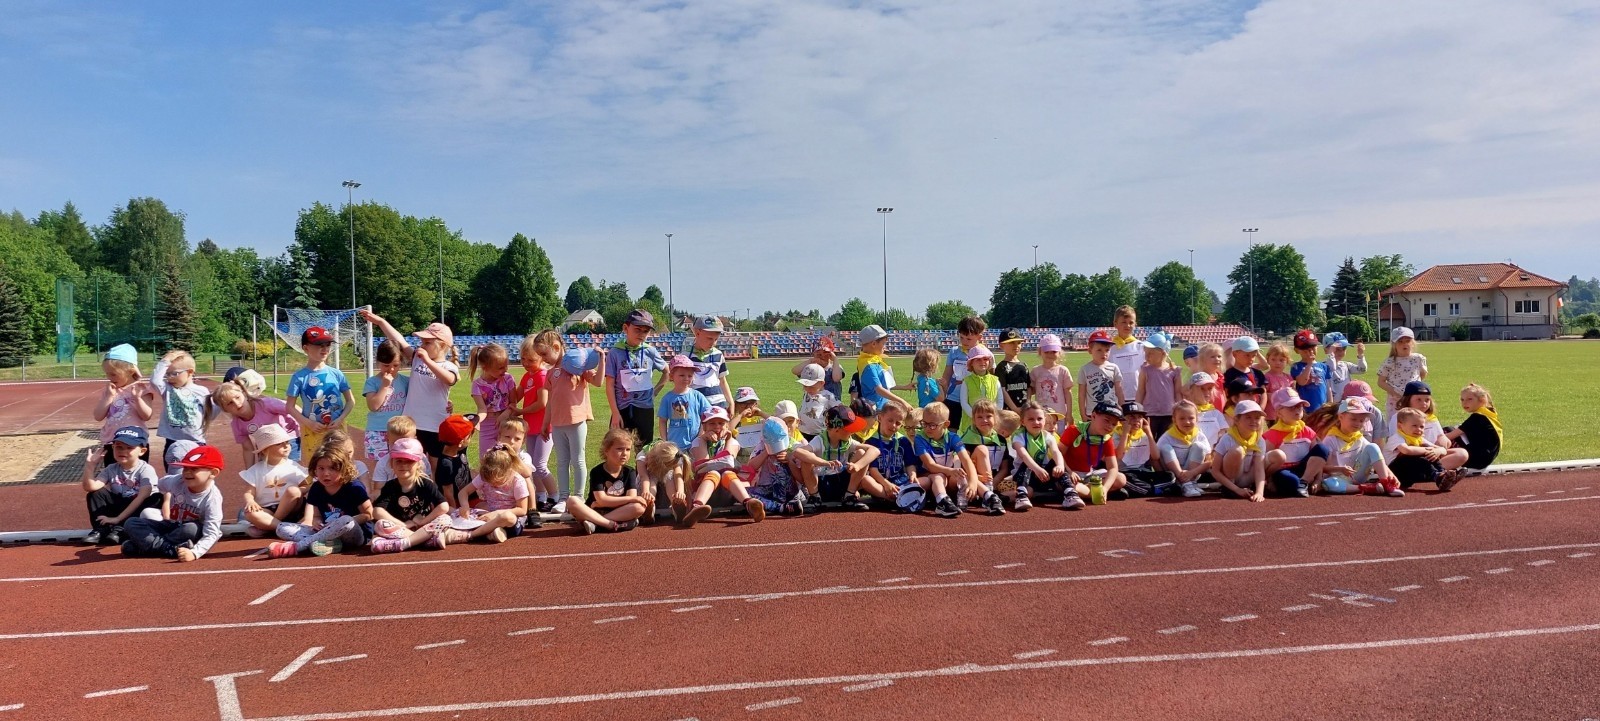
1359,389
716,412
439,331
1243,407
1050,342
409,449
680,361
980,351
1284,397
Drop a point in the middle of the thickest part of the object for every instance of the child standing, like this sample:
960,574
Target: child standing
410,511
876,378
826,355
614,503
337,512
1014,378
531,397
980,384
121,402
323,392
1185,451
1277,374
629,379
567,415
1481,433
1403,365
118,491
1246,357
815,401
186,407
506,500
192,521
433,373
385,391
1339,369
968,333
1035,459
1052,382
1310,375
1126,353
715,454
710,366
1160,383
1211,362
492,389
1100,380
249,413
681,407
272,492
923,364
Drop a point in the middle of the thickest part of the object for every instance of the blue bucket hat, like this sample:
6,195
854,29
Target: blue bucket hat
1159,340
910,499
123,352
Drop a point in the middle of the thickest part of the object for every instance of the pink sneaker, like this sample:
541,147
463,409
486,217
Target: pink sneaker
436,540
388,545
283,549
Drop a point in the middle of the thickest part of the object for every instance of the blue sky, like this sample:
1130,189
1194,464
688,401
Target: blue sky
763,135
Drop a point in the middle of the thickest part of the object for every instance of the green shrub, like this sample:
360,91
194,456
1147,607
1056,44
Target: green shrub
1354,327
1459,330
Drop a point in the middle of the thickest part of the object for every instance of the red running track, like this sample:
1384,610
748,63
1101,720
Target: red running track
1476,604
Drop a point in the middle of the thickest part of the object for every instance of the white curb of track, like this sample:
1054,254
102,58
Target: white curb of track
75,535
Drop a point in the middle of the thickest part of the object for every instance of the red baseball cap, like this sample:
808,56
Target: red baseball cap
202,457
1100,336
1305,339
316,335
455,430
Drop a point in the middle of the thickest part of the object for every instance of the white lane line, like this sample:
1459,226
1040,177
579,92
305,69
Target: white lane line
1108,641
901,579
687,609
757,598
1025,655
295,665
1495,571
269,595
1301,607
1010,565
1290,528
225,684
228,694
1202,540
1542,562
1579,555
541,629
1453,579
1062,558
12,707
867,686
1161,545
1178,629
1494,500
1240,617
1364,518
440,644
339,659
1581,488
802,594
764,705
116,691
1403,589
1328,523
618,619
952,573
1555,492
285,568
1527,495
1248,533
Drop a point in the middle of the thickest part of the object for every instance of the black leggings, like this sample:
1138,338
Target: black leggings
1414,469
955,412
106,502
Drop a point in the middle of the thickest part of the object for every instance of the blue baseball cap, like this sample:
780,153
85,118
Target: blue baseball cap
775,435
1193,351
123,352
1245,344
910,498
578,361
132,436
1335,340
1159,340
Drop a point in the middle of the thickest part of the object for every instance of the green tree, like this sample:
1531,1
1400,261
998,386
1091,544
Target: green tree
1285,295
70,233
35,261
653,295
1171,295
1013,301
853,315
1382,272
521,289
580,295
139,238
898,319
1357,328
16,343
1347,295
302,286
946,314
175,314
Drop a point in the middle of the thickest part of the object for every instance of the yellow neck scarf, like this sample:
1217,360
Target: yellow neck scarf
866,359
1203,407
1248,443
1184,438
1123,340
1494,420
1433,418
1290,431
1410,439
1349,441
1136,434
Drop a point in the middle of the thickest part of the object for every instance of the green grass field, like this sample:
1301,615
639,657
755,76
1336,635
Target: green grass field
1540,404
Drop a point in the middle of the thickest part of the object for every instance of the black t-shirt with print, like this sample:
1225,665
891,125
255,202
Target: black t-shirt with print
619,485
1014,380
418,502
453,473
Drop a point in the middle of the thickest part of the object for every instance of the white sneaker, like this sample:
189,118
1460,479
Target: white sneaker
1191,490
561,507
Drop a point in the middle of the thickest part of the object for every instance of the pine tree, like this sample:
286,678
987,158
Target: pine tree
175,314
1345,296
302,282
15,343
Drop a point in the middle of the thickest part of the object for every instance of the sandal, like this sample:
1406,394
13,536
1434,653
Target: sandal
758,512
699,513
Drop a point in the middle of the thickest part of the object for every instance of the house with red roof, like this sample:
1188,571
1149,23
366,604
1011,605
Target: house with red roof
1497,301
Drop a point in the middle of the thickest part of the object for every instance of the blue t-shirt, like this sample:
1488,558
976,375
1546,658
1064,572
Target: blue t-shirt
634,366
321,392
682,413
945,452
956,358
873,381
378,420
895,455
927,390
1315,392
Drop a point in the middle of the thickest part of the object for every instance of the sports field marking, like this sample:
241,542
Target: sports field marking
1579,555
1452,579
1494,571
1294,528
1555,492
901,579
687,609
1581,488
1062,558
799,594
1527,495
1301,607
1009,565
541,629
1494,500
1202,540
116,691
12,707
871,685
1403,589
1544,562
952,573
618,619
1365,518
1248,533
1163,544
368,565
764,705
1178,629
339,659
295,665
1108,641
51,414
228,699
441,644
1120,553
1328,523
269,595
1240,617
1041,653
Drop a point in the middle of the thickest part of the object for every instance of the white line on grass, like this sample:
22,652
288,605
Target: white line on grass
800,594
440,644
116,691
295,665
364,566
227,694
269,595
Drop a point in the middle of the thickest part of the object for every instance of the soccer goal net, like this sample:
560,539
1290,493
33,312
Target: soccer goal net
350,332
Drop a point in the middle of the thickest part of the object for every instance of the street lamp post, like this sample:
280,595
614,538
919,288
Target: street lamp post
672,323
885,213
1194,291
1036,285
1251,255
441,277
350,208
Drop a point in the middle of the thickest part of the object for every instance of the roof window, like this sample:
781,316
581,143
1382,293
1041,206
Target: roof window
1456,280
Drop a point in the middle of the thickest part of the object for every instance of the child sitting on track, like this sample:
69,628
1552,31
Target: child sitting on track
410,510
118,491
772,474
663,473
451,471
1295,455
1414,459
614,504
506,500
1185,451
272,493
1240,460
984,444
1355,464
1419,396
337,512
715,454
1481,433
894,471
1035,458
1090,452
845,459
945,460
1136,443
192,511
1212,421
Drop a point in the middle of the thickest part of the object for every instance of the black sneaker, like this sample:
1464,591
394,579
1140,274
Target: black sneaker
622,526
93,539
994,505
128,549
793,508
112,537
532,521
853,502
946,508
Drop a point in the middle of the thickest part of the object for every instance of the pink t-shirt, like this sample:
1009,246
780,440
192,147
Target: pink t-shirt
268,410
496,394
569,397
1050,386
499,498
1275,382
528,390
119,414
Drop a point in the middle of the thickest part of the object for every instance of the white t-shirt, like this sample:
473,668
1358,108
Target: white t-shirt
1184,455
1137,452
271,482
1227,444
1391,446
1128,359
1099,383
427,396
826,450
812,408
1213,424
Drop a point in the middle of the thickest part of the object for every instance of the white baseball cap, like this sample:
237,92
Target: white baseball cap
812,373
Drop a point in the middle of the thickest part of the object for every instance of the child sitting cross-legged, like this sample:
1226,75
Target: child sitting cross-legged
1035,458
505,495
191,518
984,444
1138,459
893,473
410,510
1090,452
845,459
944,459
614,503
1185,451
772,472
1295,455
119,491
1415,459
273,492
337,511
1239,461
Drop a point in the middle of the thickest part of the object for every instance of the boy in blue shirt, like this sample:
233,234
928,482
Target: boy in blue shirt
893,474
679,413
324,392
1310,375
710,367
630,368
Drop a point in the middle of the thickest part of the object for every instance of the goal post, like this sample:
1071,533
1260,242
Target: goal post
346,326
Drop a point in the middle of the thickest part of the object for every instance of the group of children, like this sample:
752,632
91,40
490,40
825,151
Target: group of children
983,435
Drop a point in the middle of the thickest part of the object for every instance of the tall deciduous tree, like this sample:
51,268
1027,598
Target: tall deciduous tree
176,320
947,314
853,315
1171,295
580,295
1285,296
139,238
1012,302
898,319
518,294
35,261
1347,295
1382,272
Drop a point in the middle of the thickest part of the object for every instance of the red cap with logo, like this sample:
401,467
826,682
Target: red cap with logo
1100,336
316,335
202,457
455,430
